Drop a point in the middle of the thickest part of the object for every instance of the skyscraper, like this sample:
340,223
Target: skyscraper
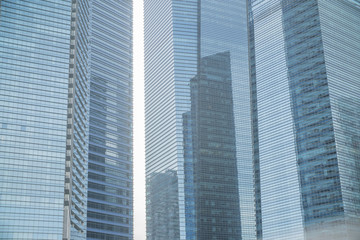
198,125
305,61
65,98
110,144
44,119
214,175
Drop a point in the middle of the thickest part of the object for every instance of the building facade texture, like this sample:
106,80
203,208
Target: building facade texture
46,76
197,128
214,175
110,144
305,114
44,117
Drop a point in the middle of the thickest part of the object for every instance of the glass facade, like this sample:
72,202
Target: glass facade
254,122
76,165
198,123
342,55
110,145
306,116
43,115
163,135
215,179
274,119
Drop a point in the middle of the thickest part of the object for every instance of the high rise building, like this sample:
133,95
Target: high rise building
214,168
62,112
44,96
305,71
110,145
198,121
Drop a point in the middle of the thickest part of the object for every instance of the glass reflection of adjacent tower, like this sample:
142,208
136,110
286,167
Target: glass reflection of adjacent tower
211,178
163,213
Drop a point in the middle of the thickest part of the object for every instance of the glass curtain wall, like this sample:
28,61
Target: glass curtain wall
34,68
76,165
110,200
305,92
43,114
198,120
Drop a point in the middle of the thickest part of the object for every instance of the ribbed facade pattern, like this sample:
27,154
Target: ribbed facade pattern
186,58
34,68
280,193
305,86
341,38
76,165
316,153
110,201
45,96
179,35
160,119
44,99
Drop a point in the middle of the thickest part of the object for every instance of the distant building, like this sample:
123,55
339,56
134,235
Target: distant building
165,206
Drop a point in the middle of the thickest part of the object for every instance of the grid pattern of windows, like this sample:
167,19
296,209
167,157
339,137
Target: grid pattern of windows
110,143
177,35
311,41
214,150
314,132
341,37
34,68
44,115
170,61
223,28
280,194
77,124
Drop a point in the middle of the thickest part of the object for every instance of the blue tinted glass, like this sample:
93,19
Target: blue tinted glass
305,111
199,170
110,144
34,66
44,99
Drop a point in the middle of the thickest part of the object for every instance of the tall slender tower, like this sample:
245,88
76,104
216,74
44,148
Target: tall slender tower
110,145
198,121
305,65
44,96
60,107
